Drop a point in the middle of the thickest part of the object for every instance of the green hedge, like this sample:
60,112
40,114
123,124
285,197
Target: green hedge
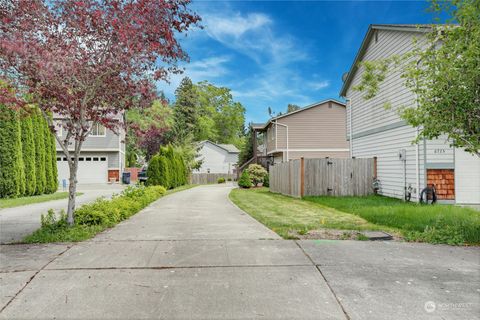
28,163
167,169
11,162
95,217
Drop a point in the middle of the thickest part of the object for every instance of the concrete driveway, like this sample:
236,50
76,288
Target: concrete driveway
194,255
18,222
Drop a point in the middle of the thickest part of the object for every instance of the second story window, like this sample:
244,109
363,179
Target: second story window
97,131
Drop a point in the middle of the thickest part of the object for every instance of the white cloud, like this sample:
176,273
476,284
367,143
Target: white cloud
318,85
199,70
236,25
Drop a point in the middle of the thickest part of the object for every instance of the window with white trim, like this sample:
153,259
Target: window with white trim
97,130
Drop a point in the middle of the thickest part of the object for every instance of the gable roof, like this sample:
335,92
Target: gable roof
420,28
264,125
230,148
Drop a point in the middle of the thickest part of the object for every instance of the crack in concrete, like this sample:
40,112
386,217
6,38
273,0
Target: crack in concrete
181,267
326,281
33,277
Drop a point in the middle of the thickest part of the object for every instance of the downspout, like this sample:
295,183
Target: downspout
350,125
417,151
283,125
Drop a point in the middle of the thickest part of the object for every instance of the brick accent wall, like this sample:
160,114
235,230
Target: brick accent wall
113,174
444,181
133,173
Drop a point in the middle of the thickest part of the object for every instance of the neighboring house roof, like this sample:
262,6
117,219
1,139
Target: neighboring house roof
420,28
230,148
264,125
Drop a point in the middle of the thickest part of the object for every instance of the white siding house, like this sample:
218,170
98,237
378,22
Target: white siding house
217,158
374,131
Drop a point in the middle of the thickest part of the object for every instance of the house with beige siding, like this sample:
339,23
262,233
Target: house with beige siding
315,131
403,167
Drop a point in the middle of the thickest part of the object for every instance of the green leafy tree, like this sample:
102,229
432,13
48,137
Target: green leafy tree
443,71
12,179
292,107
257,173
244,181
28,154
221,119
185,116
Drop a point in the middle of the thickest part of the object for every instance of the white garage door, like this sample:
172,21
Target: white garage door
467,178
91,169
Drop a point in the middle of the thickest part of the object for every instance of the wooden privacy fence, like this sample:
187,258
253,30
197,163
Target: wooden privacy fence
316,177
208,178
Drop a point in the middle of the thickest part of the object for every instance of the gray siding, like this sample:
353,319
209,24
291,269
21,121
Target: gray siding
379,132
111,141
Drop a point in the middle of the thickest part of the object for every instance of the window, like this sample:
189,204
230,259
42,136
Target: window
103,159
58,127
88,159
95,158
65,159
80,159
59,159
97,130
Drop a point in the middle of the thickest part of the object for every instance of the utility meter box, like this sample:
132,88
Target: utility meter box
402,155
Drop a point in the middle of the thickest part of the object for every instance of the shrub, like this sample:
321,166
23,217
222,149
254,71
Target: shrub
266,181
49,179
28,154
257,173
245,181
95,217
153,171
39,132
229,179
221,180
12,179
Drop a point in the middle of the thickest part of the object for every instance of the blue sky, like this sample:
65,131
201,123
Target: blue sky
272,53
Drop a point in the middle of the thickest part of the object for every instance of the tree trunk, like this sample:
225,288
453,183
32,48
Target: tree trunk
72,191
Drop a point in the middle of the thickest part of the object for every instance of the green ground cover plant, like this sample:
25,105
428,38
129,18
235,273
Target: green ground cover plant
95,217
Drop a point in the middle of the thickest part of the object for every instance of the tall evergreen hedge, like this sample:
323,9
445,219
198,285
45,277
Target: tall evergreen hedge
28,164
167,169
51,183
40,153
11,164
28,153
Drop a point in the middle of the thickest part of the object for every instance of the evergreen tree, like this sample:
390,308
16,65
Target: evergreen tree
153,171
28,154
48,158
38,133
246,153
185,111
11,162
164,173
244,181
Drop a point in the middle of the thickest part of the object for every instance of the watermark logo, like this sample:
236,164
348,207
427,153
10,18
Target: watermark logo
430,306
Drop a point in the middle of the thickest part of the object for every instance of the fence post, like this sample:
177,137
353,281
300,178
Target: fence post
375,167
302,177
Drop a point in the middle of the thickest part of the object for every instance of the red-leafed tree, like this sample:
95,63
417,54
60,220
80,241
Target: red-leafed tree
88,61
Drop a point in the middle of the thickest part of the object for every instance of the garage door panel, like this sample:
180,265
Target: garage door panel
91,169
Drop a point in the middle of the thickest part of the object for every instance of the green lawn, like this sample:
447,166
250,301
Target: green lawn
287,216
437,224
17,202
